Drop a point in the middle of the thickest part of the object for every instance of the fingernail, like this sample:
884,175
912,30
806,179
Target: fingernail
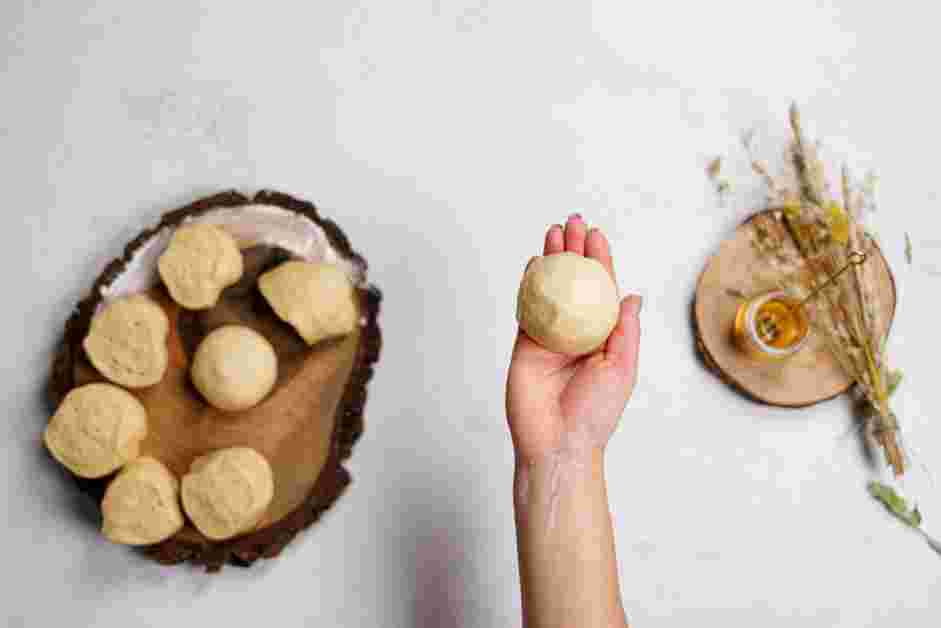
637,303
575,217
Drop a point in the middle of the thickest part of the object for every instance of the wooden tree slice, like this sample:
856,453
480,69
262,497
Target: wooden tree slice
305,428
810,376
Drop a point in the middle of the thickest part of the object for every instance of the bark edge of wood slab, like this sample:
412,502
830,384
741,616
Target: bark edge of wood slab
805,379
267,542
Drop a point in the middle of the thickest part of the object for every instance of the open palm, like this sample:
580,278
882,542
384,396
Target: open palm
552,396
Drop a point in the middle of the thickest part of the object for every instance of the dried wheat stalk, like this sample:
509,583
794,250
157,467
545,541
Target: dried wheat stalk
845,313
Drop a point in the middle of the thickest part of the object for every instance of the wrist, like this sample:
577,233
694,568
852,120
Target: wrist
551,475
576,446
585,457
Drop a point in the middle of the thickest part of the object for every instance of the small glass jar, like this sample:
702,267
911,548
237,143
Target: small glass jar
771,326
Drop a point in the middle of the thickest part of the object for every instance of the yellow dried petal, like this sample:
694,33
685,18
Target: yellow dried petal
839,223
792,211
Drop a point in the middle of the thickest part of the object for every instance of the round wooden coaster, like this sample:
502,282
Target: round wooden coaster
810,376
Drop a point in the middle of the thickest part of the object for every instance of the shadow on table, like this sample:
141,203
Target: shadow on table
438,563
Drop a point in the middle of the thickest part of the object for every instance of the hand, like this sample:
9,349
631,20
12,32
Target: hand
553,399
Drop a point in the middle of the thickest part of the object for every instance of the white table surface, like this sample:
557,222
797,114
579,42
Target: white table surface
444,136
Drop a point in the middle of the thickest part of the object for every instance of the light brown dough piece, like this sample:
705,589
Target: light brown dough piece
127,342
142,504
568,303
234,368
227,491
318,300
96,430
200,262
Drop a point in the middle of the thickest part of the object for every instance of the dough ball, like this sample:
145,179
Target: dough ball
234,368
127,341
142,504
568,303
317,299
226,492
96,430
200,262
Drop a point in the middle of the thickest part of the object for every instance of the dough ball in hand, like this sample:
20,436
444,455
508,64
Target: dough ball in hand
96,430
317,299
234,368
142,504
227,492
200,262
568,303
127,341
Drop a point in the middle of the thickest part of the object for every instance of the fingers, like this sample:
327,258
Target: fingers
575,234
624,343
555,240
596,247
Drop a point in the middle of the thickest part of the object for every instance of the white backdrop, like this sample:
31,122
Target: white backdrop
444,136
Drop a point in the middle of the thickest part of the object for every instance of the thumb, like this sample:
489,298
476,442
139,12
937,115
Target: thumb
623,345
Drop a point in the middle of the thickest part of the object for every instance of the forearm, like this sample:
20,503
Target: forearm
568,566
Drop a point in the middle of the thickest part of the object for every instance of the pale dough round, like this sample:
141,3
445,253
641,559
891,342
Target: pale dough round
96,430
234,368
568,303
227,491
142,504
127,341
317,299
199,263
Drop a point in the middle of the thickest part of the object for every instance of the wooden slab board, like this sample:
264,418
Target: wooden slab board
810,376
306,427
